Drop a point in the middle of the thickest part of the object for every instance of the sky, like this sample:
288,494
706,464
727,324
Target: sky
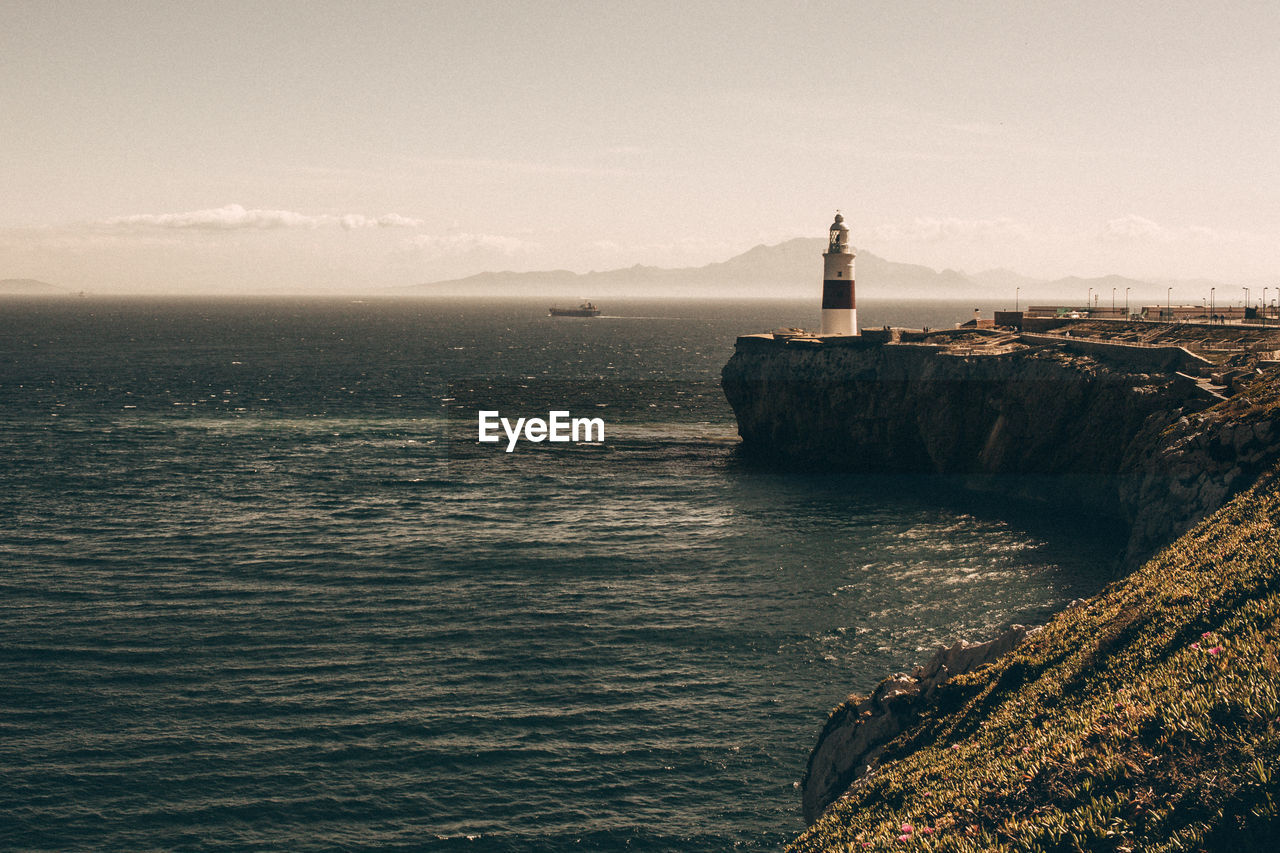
326,146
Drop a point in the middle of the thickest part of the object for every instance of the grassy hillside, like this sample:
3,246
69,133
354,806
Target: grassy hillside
1143,720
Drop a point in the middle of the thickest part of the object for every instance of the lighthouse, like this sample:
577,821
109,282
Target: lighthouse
839,312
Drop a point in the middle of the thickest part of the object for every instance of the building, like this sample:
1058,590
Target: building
839,309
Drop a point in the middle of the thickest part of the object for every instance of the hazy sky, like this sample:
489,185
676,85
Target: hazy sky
322,145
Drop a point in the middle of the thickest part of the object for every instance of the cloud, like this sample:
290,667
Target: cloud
1134,227
395,220
235,217
353,221
937,230
230,218
464,243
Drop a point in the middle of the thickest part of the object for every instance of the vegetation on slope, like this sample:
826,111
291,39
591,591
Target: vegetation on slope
1144,720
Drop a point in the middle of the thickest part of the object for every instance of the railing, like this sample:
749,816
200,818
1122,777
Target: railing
1085,339
1256,346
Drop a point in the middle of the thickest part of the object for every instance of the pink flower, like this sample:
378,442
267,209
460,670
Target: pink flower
1025,750
1215,650
908,828
904,837
1195,646
955,746
927,830
1205,635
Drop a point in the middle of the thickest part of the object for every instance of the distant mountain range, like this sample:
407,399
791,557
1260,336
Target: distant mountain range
789,269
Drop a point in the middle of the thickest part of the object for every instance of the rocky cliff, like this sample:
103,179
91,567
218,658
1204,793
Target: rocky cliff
1157,448
1035,422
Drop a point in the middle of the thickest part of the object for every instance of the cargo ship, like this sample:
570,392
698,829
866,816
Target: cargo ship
586,309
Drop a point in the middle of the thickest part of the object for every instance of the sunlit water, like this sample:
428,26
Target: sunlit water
261,588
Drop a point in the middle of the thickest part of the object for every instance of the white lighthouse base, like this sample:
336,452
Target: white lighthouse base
839,321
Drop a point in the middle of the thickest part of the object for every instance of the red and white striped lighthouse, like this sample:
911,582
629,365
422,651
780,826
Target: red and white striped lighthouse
839,311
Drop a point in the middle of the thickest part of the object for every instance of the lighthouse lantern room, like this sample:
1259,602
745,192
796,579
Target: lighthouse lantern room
839,311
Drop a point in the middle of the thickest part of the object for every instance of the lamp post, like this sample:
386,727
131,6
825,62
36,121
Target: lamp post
1168,303
1016,291
1126,303
1264,306
1113,302
1212,311
1088,300
1246,305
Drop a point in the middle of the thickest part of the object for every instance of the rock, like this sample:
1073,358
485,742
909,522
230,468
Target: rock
1060,429
1047,422
1244,436
1066,430
860,728
1211,496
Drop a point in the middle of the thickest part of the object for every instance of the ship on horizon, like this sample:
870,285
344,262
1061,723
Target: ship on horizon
586,309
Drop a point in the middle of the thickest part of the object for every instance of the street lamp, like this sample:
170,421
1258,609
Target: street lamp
1113,302
1126,303
1246,305
1212,309
1016,291
1168,304
1088,300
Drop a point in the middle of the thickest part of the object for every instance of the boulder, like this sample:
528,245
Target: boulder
860,728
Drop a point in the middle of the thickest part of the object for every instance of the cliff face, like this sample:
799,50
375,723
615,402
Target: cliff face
1037,423
1069,429
1184,472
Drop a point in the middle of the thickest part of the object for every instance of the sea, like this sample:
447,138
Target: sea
261,588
